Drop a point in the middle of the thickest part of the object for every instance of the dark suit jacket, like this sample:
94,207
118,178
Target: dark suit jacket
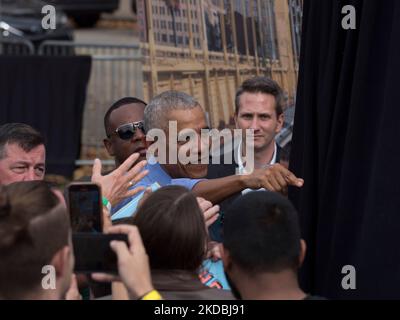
221,170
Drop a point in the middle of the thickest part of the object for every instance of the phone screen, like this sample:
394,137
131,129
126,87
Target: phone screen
85,207
93,253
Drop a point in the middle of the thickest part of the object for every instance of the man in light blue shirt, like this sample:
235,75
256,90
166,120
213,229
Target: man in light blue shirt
157,178
126,134
186,113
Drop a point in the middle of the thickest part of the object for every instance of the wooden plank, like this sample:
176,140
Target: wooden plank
246,35
235,42
189,16
208,98
253,28
223,31
152,47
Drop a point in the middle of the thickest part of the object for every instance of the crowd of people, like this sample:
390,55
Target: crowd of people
210,231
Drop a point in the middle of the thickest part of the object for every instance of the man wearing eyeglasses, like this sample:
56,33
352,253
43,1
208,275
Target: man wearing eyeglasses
124,128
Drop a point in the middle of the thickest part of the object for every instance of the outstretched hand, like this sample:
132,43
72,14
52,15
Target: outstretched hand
273,178
117,185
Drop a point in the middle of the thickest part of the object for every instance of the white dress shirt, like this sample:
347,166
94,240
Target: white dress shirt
242,169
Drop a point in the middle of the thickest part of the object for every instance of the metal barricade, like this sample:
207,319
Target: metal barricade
15,47
116,73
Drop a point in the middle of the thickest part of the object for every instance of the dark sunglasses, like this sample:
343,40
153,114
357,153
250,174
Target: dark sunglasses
127,131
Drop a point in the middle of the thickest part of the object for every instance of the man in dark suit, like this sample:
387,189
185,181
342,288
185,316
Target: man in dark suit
259,107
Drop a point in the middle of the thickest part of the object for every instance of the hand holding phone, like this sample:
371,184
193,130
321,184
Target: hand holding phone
93,252
134,272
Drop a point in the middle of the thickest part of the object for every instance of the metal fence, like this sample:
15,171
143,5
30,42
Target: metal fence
116,72
14,47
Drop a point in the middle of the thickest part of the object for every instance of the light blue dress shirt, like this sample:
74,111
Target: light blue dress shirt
156,175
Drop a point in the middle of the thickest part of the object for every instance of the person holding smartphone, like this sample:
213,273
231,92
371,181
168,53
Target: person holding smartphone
101,195
32,216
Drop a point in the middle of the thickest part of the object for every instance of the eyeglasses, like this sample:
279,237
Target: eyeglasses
127,131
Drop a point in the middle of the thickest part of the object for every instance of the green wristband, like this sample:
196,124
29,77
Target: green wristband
106,203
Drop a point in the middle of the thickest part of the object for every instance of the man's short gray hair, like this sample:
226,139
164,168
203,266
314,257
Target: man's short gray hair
156,112
26,137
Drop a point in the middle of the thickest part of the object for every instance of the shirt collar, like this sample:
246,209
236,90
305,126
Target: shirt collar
240,160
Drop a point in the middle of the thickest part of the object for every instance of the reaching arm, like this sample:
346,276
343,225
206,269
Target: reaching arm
216,190
274,178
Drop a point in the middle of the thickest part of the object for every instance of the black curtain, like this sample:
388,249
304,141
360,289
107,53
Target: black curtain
47,93
345,147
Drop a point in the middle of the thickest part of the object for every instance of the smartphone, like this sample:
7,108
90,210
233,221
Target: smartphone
85,207
93,252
